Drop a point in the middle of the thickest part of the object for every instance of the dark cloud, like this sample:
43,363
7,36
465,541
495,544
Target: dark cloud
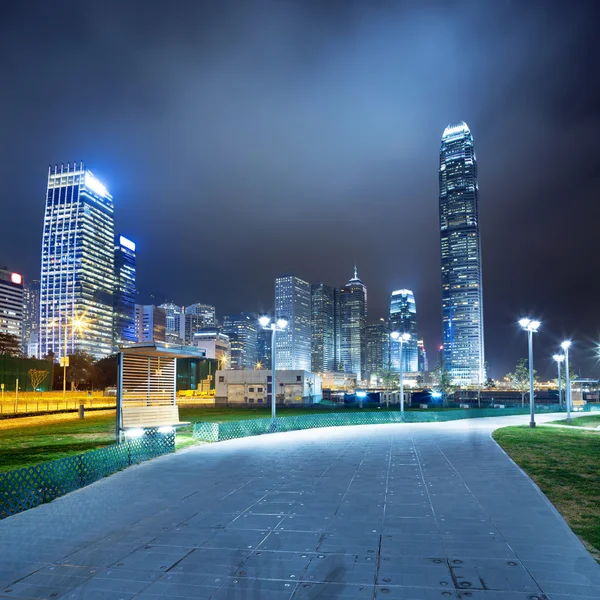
242,140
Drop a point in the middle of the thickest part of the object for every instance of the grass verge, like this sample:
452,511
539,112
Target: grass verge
564,464
588,421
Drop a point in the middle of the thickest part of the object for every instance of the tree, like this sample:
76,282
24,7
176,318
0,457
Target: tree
519,378
107,371
81,370
441,376
36,376
9,345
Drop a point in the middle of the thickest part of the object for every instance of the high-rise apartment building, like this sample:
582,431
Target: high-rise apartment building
150,323
124,331
77,271
323,328
377,353
353,323
241,329
293,345
174,320
31,318
403,319
11,303
462,301
196,317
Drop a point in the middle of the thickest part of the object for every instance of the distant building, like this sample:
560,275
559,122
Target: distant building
263,347
336,380
323,328
378,345
11,303
78,270
150,323
462,300
353,322
254,387
214,343
174,320
423,362
293,345
403,319
31,318
196,317
124,297
241,329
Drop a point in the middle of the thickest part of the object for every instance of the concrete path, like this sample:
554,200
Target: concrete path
412,512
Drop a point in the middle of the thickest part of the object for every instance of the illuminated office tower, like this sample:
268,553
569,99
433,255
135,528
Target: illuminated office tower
124,313
323,328
241,330
150,323
423,362
174,314
78,265
293,345
11,303
462,302
196,317
403,319
31,318
353,323
378,344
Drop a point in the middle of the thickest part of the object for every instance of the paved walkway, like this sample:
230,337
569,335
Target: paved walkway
411,512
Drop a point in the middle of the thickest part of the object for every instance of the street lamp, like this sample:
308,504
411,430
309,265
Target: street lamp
530,326
401,337
279,325
565,346
77,324
559,358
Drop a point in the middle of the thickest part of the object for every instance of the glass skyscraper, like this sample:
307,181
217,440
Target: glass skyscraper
323,328
174,319
241,329
124,315
378,345
78,264
196,317
293,345
403,319
353,323
462,303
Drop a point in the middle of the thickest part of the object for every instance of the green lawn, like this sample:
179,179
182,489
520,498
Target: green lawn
587,421
564,464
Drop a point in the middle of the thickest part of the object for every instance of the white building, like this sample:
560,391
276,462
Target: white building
253,387
11,303
214,343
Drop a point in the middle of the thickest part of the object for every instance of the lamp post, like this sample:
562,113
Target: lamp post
76,324
530,326
401,337
278,325
559,358
565,346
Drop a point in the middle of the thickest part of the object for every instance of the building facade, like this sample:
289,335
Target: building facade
215,344
31,318
241,329
263,347
77,270
174,319
423,362
11,304
462,300
196,317
353,324
378,347
124,331
150,323
403,319
323,328
293,345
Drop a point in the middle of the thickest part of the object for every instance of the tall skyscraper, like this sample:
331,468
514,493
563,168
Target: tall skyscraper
462,302
263,347
241,330
31,318
78,264
323,328
403,319
11,303
293,302
150,322
353,323
378,345
174,319
124,313
196,318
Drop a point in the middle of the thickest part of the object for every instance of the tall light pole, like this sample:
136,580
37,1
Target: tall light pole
530,326
565,346
278,325
78,324
559,358
401,337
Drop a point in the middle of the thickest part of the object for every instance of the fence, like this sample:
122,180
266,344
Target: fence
217,432
25,488
35,404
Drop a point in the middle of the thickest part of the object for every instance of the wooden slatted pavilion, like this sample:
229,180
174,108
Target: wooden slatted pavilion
146,389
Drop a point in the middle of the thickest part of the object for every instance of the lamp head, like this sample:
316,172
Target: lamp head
395,335
524,323
405,337
566,345
282,323
559,357
264,320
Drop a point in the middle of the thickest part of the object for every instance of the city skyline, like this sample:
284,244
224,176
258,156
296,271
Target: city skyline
335,140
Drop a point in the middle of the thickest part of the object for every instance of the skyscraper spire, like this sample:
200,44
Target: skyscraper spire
355,271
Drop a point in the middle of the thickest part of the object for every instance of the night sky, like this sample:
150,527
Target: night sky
245,140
